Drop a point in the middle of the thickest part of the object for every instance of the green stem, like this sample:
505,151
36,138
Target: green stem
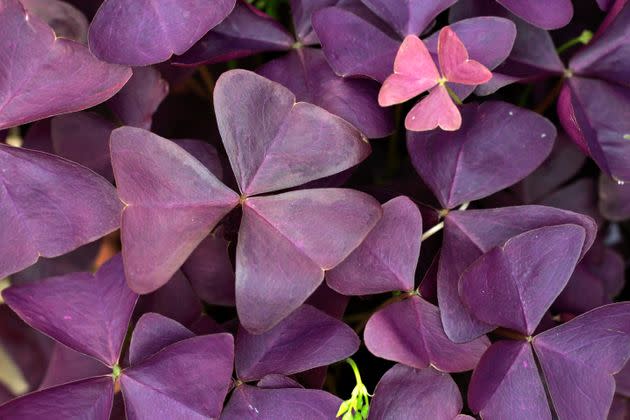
584,38
453,95
355,369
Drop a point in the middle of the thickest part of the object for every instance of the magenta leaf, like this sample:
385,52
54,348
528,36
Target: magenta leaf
470,234
295,143
316,339
498,145
49,206
410,332
506,384
387,259
403,390
87,399
152,333
181,210
513,285
48,75
66,20
88,313
143,32
311,231
156,388
583,354
249,402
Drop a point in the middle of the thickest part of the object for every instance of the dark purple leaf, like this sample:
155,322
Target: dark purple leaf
249,402
287,241
88,313
156,388
470,234
514,284
315,339
275,381
614,199
387,259
404,390
166,216
329,301
409,17
497,145
143,32
67,365
66,20
546,14
294,143
152,333
583,354
205,153
307,74
87,399
410,332
47,75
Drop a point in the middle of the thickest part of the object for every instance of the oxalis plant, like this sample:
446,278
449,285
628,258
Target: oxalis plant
207,209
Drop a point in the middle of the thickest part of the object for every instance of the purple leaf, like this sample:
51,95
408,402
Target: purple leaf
470,234
329,301
47,75
403,390
583,354
545,14
307,74
506,384
157,388
387,259
311,231
143,32
294,143
67,365
246,31
136,103
514,284
88,313
166,216
66,20
210,271
607,57
302,12
152,333
205,153
410,332
275,381
249,402
315,339
497,145
597,116
614,199
83,137
622,380
87,399
409,17
352,55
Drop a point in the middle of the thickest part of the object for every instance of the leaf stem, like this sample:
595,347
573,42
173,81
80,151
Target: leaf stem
437,228
453,95
584,38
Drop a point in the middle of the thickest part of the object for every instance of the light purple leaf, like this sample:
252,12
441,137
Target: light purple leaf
498,145
66,20
295,143
506,384
136,103
316,339
88,313
152,333
546,14
83,137
246,31
583,354
67,365
387,259
470,234
352,55
88,399
514,284
403,390
311,231
172,203
143,32
249,402
47,75
156,388
308,75
410,332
